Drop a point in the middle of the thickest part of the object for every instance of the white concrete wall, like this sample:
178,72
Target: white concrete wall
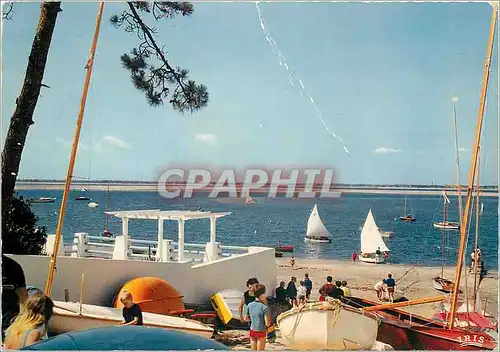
104,277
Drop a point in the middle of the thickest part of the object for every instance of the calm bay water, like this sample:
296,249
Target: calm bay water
271,220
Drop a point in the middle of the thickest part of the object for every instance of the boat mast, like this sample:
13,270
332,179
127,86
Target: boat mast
476,257
472,172
107,209
443,234
459,186
90,64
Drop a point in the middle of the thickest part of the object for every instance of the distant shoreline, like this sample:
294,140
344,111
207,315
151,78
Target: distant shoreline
152,187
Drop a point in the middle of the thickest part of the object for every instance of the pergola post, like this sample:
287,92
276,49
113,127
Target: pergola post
159,245
125,237
213,220
180,248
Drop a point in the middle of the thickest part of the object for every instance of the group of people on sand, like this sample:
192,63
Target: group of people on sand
294,296
386,285
25,317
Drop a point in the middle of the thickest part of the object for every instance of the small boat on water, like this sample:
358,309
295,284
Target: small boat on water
285,248
328,325
249,200
445,224
68,317
407,217
93,205
225,304
43,200
316,230
82,198
126,338
373,248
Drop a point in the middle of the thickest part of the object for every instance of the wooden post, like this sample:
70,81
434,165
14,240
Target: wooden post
465,218
406,303
62,211
81,293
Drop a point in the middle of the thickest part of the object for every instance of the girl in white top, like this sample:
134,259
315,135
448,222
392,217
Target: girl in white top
302,293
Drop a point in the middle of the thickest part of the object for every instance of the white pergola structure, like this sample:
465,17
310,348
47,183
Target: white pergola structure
161,215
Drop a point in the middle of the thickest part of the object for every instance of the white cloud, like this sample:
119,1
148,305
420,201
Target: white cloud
205,138
68,144
385,150
462,149
117,142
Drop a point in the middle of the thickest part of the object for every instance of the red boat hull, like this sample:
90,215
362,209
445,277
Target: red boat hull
412,332
284,248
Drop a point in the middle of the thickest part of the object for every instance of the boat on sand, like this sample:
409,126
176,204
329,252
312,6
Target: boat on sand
407,331
328,325
371,242
68,316
316,230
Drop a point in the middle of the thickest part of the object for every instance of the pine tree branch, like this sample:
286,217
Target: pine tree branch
159,52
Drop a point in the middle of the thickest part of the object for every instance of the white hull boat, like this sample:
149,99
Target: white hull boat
373,259
328,326
316,230
317,240
447,225
93,205
67,318
371,242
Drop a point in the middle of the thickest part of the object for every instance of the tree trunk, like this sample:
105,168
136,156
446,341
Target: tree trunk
22,118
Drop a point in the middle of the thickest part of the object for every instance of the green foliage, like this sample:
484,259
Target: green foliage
20,234
149,68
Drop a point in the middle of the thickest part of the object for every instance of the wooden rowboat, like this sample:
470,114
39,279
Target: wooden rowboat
328,325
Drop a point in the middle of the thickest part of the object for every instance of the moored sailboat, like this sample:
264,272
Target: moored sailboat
373,248
316,230
407,217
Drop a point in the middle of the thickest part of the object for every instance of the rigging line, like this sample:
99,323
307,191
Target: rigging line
293,77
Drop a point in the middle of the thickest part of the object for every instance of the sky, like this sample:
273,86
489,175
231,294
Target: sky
381,76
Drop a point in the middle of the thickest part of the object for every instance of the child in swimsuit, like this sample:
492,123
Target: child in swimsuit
31,324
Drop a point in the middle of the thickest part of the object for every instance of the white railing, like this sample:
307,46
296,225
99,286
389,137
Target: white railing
85,245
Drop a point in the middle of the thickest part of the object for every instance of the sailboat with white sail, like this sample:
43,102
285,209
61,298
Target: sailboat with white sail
373,248
445,224
316,230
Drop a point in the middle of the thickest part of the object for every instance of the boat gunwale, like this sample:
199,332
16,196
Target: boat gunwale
73,314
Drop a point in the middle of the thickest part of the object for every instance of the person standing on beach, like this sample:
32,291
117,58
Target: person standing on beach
354,256
391,283
291,290
327,290
379,287
260,319
301,293
309,286
292,262
347,290
248,296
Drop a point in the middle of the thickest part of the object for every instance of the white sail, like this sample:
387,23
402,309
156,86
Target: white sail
371,240
315,227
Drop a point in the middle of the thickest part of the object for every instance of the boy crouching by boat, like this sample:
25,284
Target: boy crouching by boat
260,319
132,313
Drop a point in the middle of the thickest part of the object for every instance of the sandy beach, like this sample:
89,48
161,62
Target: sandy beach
414,281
